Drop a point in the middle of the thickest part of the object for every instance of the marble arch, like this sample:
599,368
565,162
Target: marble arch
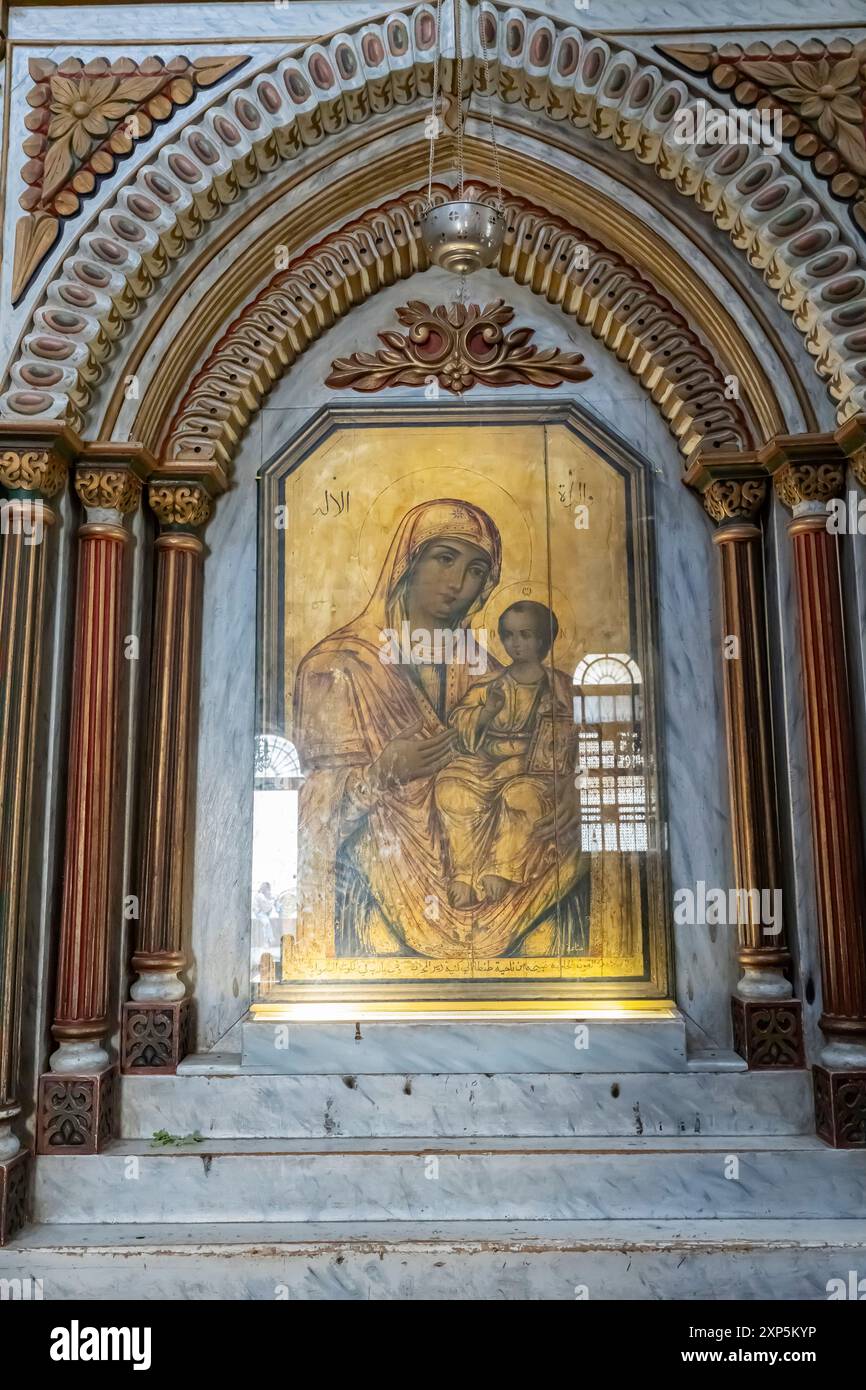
318,93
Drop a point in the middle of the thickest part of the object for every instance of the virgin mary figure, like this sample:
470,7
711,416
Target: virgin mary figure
372,734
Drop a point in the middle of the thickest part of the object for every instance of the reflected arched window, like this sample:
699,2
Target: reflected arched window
608,712
274,909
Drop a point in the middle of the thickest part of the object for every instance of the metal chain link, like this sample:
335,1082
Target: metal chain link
434,109
458,46
489,93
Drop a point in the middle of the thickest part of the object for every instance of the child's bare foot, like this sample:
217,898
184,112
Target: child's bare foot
496,887
460,894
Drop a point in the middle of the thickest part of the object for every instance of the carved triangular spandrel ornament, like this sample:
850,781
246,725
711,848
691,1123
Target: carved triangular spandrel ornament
84,117
820,90
457,346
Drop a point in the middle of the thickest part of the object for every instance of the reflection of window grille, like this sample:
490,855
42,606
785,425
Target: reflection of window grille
608,711
277,765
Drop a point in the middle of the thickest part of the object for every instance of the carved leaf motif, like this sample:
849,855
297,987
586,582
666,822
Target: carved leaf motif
76,131
824,93
474,351
58,166
34,237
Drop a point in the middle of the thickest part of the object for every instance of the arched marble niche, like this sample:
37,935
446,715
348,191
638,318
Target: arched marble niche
691,731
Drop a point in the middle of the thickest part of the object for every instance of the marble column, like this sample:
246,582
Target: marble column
34,462
808,472
767,1020
156,1022
76,1097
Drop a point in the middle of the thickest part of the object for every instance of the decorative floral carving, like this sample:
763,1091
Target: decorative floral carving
180,504
728,499
808,482
460,346
840,1107
116,490
820,89
84,117
602,290
14,1194
76,1114
378,67
32,470
155,1037
768,1033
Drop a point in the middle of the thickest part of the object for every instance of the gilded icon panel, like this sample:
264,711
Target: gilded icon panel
456,775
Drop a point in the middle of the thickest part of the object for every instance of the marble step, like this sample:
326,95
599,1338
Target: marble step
237,1104
408,1261
453,1180
560,1040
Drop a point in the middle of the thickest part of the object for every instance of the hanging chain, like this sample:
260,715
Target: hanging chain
489,93
433,132
458,46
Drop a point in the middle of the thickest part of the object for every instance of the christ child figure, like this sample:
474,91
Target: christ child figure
495,811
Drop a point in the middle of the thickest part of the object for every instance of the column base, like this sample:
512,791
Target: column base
76,1114
15,1174
154,1037
768,1033
840,1107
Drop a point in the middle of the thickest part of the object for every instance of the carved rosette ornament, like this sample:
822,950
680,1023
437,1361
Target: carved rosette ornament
116,490
458,346
820,90
184,505
84,117
42,471
296,103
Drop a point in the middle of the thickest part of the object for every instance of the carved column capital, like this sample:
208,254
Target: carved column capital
35,460
182,496
109,477
807,470
180,506
851,438
733,486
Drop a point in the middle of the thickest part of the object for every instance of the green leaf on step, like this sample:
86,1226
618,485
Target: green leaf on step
161,1137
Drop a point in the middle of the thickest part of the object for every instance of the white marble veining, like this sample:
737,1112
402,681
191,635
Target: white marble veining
222,833
453,1179
588,1260
584,1044
244,1105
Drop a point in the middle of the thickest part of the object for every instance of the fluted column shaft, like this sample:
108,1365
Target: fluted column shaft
159,951
836,826
750,753
156,1022
767,1020
80,1022
808,473
33,468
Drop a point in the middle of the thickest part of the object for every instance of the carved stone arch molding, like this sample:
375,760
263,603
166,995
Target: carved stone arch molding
315,94
597,288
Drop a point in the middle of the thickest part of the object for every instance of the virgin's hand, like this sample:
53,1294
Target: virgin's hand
406,759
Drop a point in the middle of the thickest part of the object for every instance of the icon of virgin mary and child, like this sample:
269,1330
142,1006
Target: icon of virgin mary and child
438,815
